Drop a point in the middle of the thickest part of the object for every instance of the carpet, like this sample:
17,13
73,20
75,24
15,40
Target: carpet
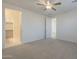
42,49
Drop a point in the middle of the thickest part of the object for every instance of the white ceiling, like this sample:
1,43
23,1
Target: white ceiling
31,5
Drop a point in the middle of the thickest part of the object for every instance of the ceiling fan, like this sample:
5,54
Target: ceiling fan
47,4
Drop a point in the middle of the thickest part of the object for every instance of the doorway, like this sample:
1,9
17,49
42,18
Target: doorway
12,27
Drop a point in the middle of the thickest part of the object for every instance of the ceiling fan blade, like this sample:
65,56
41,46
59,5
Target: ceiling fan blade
45,1
40,4
59,3
54,9
74,1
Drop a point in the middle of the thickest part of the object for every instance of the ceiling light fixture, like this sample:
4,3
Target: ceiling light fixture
48,7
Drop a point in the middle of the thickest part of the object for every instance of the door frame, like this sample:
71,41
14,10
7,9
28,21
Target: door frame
4,5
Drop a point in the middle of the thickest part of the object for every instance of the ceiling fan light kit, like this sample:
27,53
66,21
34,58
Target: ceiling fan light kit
48,7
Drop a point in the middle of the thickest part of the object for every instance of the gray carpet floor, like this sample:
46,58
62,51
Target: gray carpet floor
42,49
